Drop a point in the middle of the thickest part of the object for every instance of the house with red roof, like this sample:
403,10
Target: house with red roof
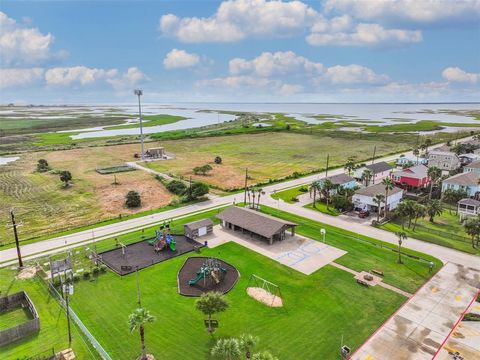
414,177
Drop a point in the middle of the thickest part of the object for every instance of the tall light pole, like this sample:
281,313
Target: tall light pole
139,93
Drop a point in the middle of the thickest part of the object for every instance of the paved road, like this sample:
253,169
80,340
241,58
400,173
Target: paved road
48,246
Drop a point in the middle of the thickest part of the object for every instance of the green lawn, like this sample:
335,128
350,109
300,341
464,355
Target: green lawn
289,194
322,207
14,317
53,322
363,256
445,231
319,309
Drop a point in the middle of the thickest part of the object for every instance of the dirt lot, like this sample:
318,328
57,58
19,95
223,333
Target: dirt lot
44,206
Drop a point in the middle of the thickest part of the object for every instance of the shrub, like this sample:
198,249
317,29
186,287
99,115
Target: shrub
65,177
198,189
303,189
202,170
56,281
133,199
95,271
86,274
103,268
218,160
177,187
294,199
42,165
75,277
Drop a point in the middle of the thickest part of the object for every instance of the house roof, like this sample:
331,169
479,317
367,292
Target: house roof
254,221
416,172
373,190
465,179
474,164
468,201
339,179
439,152
379,167
195,225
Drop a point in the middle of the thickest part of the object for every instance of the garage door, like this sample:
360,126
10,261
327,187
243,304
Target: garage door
202,231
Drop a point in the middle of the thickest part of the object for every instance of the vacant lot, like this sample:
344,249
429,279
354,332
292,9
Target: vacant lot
267,155
45,206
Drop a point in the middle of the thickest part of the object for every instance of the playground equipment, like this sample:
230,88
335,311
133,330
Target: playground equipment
264,291
210,272
162,240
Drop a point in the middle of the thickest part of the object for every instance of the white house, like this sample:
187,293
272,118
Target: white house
379,170
407,160
363,198
444,160
474,166
468,207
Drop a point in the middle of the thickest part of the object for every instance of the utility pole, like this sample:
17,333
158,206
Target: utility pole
139,93
138,289
326,171
67,292
17,242
245,192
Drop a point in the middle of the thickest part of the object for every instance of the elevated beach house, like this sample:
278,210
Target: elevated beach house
412,178
468,181
363,199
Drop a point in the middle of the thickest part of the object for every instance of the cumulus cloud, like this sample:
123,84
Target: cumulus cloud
133,76
353,74
455,74
341,32
235,20
21,45
82,75
178,59
278,63
411,11
16,77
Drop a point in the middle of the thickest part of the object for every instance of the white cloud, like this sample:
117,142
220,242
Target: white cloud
455,74
237,19
413,11
20,45
325,33
353,74
82,75
278,63
132,77
177,59
15,77
290,89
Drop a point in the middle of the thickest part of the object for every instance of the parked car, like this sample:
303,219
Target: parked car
364,214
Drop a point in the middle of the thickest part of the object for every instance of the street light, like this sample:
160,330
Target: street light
139,93
323,232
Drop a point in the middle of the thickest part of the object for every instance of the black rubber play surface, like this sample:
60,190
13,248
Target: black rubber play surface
142,254
189,271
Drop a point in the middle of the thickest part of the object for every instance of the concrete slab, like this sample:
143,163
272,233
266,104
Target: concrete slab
297,252
420,327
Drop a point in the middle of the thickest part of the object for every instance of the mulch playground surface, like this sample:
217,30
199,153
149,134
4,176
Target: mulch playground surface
142,254
189,271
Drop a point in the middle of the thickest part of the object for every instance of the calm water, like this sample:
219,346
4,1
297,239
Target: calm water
6,160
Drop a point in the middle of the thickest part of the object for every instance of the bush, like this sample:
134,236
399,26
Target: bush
133,199
177,187
96,271
86,274
75,277
202,170
294,199
65,177
218,160
42,165
303,189
198,189
103,268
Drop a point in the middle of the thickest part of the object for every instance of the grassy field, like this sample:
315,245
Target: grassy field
445,231
45,206
14,317
53,322
316,305
267,155
289,194
322,207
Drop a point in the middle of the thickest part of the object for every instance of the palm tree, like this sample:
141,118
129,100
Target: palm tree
402,211
378,200
416,153
350,165
420,211
401,237
137,320
327,186
211,303
472,228
428,142
227,349
434,173
388,184
314,187
259,192
434,208
367,176
264,355
247,342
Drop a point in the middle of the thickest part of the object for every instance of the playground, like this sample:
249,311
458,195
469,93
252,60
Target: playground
199,275
126,259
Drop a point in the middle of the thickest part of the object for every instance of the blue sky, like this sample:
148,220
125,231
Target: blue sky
240,50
